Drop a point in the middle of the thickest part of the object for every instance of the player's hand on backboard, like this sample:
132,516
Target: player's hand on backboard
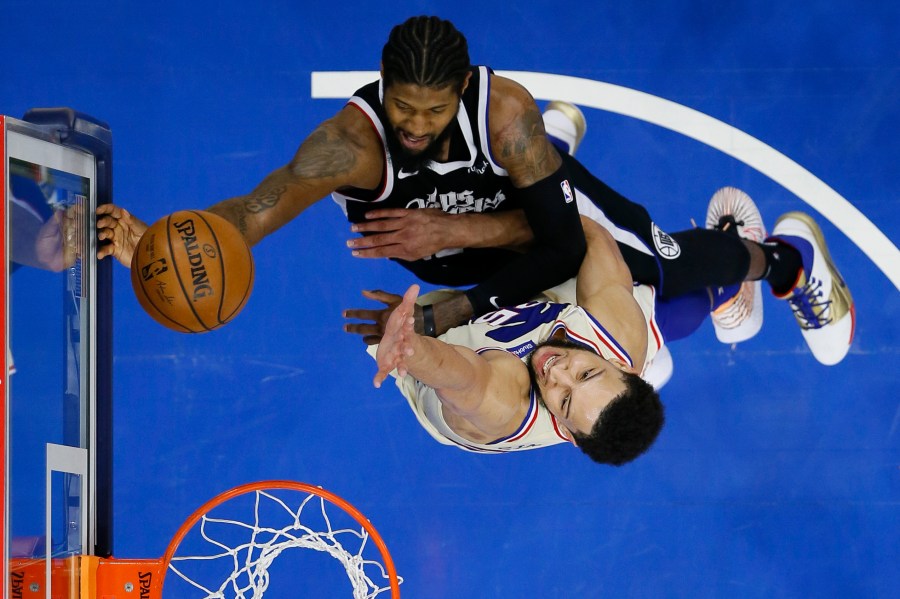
407,234
56,246
120,230
376,320
399,335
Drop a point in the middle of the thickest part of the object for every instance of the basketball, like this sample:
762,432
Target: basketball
192,271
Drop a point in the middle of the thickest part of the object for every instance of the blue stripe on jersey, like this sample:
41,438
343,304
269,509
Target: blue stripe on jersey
527,423
528,318
609,339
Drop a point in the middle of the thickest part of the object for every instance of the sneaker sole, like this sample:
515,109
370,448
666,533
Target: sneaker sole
728,198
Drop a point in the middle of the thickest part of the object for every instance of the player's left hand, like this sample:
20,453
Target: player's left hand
376,319
407,234
399,335
121,230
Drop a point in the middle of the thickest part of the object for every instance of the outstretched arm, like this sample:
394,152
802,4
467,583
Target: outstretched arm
450,369
339,152
480,396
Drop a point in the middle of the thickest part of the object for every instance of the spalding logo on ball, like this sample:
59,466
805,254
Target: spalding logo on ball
192,271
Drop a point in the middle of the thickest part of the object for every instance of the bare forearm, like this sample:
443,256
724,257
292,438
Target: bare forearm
275,201
331,157
440,365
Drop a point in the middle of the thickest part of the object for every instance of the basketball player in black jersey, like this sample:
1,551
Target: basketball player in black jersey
483,198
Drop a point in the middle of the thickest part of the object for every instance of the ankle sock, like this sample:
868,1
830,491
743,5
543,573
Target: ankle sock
783,264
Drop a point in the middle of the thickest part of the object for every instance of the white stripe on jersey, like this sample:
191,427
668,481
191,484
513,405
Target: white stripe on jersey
484,94
623,236
367,110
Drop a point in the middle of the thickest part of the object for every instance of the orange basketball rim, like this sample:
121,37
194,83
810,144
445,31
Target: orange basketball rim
90,577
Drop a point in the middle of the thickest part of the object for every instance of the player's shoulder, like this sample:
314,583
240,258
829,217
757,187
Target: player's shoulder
352,126
511,111
504,87
342,151
509,96
617,312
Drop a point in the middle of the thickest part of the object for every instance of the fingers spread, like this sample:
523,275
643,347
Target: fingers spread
381,296
361,315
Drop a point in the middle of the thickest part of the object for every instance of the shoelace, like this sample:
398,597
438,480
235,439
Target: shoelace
806,300
728,221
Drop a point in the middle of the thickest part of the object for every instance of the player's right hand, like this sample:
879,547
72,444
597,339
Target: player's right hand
396,345
375,319
120,230
407,234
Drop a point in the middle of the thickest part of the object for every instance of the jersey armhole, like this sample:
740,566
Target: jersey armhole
387,183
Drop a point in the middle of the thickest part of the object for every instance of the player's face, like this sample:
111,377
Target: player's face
419,115
575,384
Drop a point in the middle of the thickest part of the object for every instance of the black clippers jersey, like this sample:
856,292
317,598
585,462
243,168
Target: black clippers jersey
470,181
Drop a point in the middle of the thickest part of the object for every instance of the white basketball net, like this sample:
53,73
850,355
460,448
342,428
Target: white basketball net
250,559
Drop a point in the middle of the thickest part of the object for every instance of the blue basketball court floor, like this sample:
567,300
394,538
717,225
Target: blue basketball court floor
775,476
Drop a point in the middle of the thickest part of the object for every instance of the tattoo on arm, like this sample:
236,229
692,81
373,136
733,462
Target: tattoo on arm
265,200
525,145
323,154
322,158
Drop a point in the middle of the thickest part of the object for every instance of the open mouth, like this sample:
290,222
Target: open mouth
543,364
411,142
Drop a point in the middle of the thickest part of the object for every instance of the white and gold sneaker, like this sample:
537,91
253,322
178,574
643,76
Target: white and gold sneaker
820,299
565,125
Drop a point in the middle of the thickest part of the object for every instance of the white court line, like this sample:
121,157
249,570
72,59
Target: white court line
691,123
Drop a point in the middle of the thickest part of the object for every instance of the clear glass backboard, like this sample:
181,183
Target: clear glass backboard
50,384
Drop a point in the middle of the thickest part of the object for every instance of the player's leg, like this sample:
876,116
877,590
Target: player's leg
794,261
796,264
676,318
565,125
675,264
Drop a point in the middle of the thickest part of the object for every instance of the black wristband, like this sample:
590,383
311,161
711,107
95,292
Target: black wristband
428,321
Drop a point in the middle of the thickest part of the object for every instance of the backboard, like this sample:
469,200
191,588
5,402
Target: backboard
56,384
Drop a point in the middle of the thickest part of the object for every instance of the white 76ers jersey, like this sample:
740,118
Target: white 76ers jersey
518,331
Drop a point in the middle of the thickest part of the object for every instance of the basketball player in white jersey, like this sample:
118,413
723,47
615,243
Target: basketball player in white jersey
539,373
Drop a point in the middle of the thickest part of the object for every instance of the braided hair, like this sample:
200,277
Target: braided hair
426,51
